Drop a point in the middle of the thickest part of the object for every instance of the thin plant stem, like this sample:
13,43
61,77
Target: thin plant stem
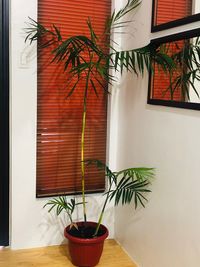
102,211
83,146
70,216
82,158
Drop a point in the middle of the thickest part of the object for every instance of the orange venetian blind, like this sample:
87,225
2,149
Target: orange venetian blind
59,119
169,10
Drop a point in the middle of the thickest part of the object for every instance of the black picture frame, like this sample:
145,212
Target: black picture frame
172,103
4,122
171,24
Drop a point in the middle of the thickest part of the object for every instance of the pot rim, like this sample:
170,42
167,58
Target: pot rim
86,240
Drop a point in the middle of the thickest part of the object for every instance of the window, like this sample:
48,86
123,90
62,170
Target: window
180,87
59,118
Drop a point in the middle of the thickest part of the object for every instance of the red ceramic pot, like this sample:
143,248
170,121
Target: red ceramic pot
86,252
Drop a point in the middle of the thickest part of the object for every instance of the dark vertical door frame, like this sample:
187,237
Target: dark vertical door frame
4,122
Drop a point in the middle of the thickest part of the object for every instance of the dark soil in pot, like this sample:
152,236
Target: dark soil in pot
85,231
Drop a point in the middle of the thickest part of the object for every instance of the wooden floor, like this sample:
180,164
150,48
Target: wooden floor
57,256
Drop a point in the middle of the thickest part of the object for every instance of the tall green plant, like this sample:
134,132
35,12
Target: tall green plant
85,58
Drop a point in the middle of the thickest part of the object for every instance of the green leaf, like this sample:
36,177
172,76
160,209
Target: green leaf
101,166
59,36
93,35
116,60
94,87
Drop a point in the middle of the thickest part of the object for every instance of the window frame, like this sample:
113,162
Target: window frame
173,23
4,118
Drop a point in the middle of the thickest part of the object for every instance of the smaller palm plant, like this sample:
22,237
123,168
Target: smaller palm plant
123,187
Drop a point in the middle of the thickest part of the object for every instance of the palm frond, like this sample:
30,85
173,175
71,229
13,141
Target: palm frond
127,190
61,204
137,60
140,174
45,37
131,185
101,166
130,5
115,20
93,35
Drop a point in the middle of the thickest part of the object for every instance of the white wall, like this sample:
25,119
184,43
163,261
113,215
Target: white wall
165,233
31,225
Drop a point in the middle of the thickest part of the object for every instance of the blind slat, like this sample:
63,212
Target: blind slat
169,10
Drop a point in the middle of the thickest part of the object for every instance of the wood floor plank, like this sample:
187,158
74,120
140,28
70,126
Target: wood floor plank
57,256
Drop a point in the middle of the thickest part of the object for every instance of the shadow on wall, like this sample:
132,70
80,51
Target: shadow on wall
53,225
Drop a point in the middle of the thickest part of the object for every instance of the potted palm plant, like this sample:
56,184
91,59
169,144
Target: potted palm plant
85,58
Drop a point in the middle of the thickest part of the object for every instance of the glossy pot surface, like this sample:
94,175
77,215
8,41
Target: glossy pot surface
86,252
